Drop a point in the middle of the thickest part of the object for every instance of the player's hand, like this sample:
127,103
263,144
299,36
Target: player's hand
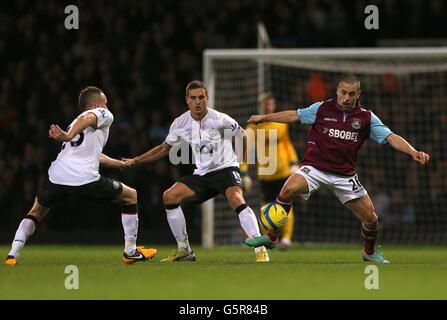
255,119
421,157
57,133
128,163
248,183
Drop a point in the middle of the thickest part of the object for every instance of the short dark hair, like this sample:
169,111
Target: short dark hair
87,95
349,78
196,84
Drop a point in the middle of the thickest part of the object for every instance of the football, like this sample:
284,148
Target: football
273,217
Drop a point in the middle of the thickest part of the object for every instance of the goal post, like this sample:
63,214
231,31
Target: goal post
405,87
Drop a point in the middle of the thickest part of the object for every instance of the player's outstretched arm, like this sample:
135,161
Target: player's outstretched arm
87,120
108,162
400,144
287,116
154,154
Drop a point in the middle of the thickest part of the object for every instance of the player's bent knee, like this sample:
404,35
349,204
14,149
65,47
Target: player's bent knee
287,192
166,197
295,185
236,200
235,197
129,196
37,211
170,198
133,196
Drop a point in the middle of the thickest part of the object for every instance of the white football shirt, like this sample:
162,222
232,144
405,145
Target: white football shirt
78,161
210,140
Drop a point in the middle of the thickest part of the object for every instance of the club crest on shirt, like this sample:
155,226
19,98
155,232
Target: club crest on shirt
356,123
305,170
213,132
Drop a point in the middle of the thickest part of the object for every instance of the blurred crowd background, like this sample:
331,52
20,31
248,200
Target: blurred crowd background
142,54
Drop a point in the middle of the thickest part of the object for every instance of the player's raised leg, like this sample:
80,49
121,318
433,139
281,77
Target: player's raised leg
363,209
247,219
295,185
129,218
172,198
25,230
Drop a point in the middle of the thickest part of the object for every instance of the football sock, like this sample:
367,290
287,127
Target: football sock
248,220
284,203
288,228
25,230
177,223
129,219
369,236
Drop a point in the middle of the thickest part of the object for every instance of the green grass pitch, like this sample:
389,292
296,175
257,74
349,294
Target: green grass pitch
302,272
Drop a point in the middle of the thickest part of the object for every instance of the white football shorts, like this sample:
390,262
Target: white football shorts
344,188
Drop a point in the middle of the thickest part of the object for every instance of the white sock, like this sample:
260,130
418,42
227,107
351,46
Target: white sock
249,222
130,226
177,223
25,230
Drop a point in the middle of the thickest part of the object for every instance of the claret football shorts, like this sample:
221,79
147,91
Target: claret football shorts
344,188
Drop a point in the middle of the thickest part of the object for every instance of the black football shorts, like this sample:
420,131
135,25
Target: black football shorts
104,190
213,183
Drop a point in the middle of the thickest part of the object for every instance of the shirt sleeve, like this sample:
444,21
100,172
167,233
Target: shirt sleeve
309,114
104,117
378,131
230,126
174,136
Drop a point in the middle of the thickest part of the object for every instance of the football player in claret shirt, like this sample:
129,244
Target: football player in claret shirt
209,133
286,162
339,128
75,172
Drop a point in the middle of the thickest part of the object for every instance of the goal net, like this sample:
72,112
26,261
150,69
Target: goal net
405,88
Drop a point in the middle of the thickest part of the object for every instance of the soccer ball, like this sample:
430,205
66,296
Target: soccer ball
273,217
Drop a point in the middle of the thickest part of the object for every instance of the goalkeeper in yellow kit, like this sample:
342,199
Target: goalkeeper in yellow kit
287,163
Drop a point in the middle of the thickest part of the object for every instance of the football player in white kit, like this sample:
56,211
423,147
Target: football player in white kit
76,172
209,134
